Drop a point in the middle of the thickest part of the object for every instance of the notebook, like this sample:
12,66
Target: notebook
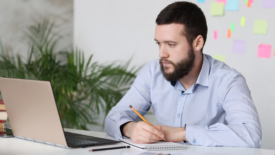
156,146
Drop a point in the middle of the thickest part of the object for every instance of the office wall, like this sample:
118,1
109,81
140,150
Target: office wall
17,15
116,30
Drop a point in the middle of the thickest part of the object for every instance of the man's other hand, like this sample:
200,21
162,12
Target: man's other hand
173,134
141,132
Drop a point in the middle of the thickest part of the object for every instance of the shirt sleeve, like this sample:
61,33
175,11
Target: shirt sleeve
138,96
243,129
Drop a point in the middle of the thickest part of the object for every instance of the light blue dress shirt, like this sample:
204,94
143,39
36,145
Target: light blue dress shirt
217,110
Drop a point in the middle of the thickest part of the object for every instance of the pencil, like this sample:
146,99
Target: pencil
141,117
111,148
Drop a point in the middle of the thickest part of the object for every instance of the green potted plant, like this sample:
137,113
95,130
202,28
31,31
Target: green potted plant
81,88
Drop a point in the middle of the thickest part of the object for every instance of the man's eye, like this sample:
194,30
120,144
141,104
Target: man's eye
158,43
171,45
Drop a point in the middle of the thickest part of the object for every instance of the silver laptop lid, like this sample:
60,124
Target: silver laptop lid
32,110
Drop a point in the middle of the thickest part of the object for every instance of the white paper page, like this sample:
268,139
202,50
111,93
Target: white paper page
160,143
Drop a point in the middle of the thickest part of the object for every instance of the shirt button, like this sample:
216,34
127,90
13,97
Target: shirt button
194,141
178,115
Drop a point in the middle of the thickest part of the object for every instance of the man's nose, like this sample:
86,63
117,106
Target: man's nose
163,52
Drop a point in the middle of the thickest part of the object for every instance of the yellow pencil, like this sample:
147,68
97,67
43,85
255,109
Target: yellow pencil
141,117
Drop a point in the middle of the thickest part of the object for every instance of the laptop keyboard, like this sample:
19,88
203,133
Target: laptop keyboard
78,141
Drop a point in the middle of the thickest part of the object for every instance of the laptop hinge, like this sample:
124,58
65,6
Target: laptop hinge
39,141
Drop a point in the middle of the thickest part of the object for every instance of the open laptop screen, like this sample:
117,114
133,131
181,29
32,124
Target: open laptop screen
33,112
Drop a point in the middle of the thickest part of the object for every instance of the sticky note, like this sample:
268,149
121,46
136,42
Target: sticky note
222,1
248,3
232,27
219,57
217,9
268,3
201,1
242,21
232,5
264,51
228,33
215,34
238,46
260,27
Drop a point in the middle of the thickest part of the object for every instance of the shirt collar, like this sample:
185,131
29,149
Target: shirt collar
173,83
204,73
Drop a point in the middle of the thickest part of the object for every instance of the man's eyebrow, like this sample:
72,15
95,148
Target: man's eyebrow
167,41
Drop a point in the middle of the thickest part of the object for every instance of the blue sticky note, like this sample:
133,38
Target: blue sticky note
232,5
201,1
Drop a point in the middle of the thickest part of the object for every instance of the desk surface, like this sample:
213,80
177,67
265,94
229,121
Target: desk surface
19,146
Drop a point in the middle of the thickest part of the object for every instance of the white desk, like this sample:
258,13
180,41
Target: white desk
12,146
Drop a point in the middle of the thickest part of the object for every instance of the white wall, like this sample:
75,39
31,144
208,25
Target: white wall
17,15
118,29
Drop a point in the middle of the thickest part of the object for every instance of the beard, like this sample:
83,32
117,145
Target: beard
181,69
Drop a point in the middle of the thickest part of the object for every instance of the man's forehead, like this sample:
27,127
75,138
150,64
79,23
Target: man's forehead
169,30
170,27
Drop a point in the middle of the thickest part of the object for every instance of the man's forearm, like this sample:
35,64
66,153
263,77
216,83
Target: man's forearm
223,135
173,134
114,121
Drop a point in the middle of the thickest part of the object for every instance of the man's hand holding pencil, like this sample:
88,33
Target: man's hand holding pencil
143,131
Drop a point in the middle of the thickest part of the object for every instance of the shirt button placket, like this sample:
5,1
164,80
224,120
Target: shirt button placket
180,106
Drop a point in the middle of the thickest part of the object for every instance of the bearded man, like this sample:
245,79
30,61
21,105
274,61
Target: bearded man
196,99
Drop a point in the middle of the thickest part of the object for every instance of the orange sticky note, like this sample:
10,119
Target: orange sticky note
248,3
228,33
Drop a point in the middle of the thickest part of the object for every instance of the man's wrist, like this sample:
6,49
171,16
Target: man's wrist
122,127
184,134
125,129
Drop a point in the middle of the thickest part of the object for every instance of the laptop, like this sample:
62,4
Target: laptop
34,116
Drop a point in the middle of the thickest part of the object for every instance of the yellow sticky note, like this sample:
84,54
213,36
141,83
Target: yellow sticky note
219,57
260,27
217,9
242,21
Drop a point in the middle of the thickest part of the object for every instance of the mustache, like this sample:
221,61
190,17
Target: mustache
166,60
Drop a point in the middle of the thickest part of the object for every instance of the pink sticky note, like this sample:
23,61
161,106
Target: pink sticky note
215,34
250,1
264,51
222,1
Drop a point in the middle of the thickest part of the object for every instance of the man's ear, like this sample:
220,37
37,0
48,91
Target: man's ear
198,43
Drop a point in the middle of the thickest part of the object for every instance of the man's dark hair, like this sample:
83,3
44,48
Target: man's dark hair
188,14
